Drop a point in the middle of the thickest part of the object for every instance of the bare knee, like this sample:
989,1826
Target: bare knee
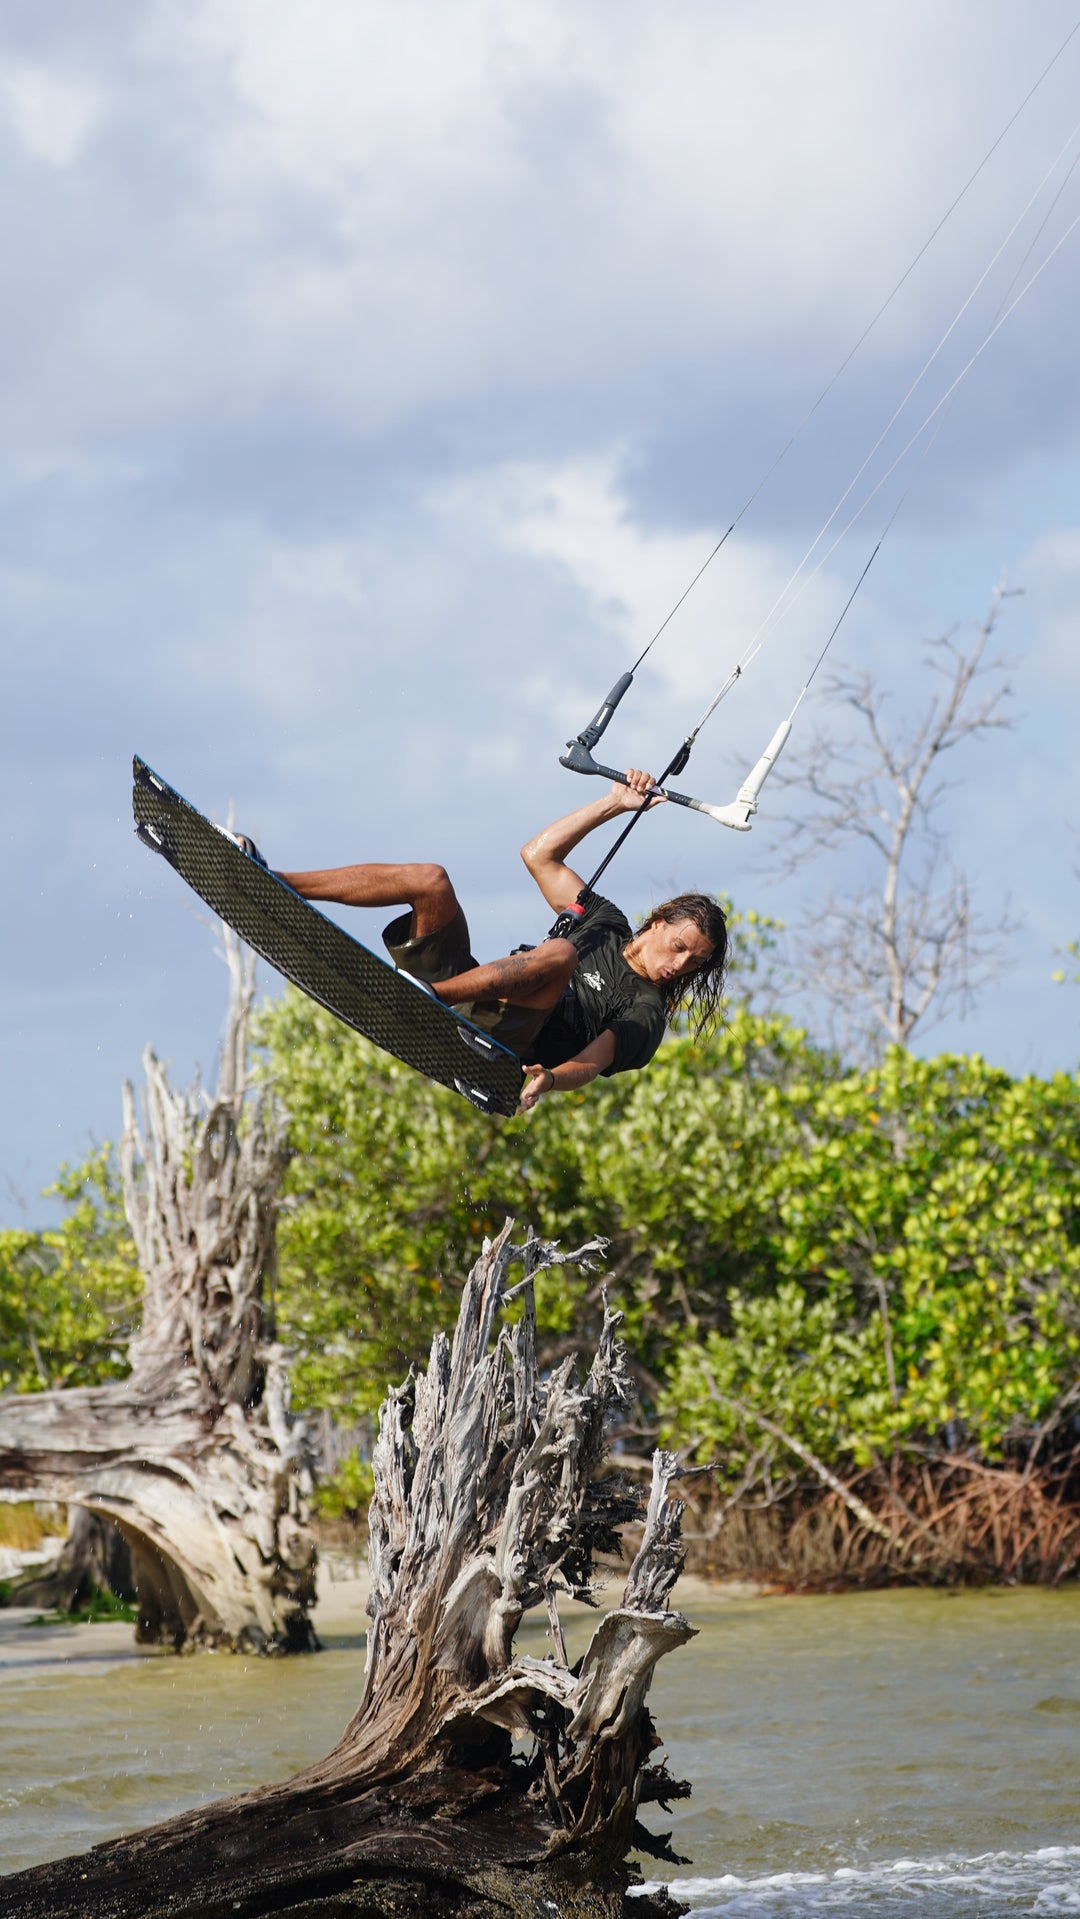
432,898
431,883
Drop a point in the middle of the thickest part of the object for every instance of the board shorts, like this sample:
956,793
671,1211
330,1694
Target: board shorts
444,954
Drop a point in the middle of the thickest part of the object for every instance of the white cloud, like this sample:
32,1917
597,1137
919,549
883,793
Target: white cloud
576,515
369,212
52,115
801,151
321,570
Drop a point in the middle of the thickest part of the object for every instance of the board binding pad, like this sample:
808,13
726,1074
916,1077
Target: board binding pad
356,985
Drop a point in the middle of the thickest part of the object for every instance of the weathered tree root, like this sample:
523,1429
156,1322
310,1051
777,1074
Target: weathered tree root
470,1780
94,1558
194,1456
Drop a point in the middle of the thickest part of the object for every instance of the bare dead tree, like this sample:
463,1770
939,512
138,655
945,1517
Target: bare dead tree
194,1456
473,1778
906,945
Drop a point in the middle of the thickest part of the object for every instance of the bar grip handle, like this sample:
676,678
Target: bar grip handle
591,733
579,760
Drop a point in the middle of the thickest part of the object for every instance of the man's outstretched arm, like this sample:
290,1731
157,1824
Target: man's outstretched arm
545,856
572,1074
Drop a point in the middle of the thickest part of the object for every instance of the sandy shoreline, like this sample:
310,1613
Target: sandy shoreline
339,1616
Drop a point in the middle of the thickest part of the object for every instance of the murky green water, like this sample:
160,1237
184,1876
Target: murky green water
884,1754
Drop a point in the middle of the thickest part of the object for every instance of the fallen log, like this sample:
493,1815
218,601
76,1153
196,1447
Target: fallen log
472,1779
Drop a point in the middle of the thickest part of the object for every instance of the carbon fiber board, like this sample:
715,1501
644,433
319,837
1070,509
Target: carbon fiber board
358,987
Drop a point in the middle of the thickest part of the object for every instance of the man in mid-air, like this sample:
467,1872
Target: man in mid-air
596,1001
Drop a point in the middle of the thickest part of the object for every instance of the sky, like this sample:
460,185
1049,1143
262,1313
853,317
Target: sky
378,377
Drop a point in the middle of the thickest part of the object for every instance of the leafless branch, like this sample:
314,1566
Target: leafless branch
906,946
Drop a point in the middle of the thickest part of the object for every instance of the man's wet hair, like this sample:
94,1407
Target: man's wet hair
697,996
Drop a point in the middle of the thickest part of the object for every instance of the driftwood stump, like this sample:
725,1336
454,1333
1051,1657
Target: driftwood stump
470,1780
194,1456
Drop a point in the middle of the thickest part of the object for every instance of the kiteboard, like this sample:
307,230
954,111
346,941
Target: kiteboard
359,987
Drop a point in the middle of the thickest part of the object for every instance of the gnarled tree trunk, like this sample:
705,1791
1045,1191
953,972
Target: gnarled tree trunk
95,1557
471,1779
194,1456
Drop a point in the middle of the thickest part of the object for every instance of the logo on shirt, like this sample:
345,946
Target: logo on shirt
594,980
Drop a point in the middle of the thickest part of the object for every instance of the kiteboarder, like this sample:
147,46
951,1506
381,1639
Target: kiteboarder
593,1000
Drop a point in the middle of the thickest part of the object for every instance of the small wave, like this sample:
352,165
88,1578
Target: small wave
991,1885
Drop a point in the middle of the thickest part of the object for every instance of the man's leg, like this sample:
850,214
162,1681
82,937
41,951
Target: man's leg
426,888
536,978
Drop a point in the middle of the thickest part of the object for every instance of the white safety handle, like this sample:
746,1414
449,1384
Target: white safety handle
737,814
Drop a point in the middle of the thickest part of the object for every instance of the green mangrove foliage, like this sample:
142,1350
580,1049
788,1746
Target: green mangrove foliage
926,1245
394,1184
866,1260
851,1264
69,1293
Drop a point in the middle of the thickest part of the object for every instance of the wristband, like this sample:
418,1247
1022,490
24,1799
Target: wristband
551,1077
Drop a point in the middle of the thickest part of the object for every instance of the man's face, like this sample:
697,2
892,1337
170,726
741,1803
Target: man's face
669,950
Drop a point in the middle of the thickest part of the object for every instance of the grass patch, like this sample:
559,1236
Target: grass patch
102,1608
22,1526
